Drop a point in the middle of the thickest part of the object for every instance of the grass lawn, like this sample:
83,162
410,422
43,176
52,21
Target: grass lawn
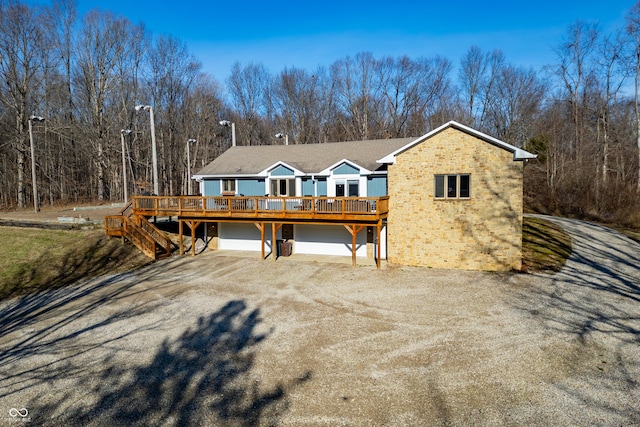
632,234
545,246
33,259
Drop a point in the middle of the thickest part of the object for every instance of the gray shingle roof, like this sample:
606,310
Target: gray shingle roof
308,158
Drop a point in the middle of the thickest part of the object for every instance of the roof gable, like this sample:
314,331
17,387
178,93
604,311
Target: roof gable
344,167
280,169
518,153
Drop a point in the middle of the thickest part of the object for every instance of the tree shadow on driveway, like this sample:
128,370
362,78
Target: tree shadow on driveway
598,290
203,377
49,326
592,307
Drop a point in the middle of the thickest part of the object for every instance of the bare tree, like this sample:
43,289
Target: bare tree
172,71
23,39
612,75
573,69
65,14
411,90
516,100
248,88
201,123
633,27
478,76
358,90
102,41
298,104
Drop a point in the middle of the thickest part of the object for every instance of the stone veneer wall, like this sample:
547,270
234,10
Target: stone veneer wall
480,233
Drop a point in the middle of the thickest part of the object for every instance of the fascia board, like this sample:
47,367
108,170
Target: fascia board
362,169
518,153
265,172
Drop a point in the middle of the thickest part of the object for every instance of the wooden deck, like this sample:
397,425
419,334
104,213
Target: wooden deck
354,213
289,209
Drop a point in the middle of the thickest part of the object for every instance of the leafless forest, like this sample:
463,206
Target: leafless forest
85,74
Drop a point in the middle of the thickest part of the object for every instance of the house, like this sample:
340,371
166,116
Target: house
449,199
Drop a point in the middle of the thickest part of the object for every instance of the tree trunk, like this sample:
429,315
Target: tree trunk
21,175
100,170
637,111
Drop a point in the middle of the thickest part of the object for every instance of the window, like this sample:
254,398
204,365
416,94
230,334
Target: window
453,186
354,188
228,186
348,188
283,187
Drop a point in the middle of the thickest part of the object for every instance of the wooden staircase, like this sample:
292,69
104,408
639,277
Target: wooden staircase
139,231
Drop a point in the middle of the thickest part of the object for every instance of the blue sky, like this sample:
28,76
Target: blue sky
306,34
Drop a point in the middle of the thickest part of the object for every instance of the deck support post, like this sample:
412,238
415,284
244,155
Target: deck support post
180,228
193,237
353,230
274,241
378,228
260,226
192,224
274,231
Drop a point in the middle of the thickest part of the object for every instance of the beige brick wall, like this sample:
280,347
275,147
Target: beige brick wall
481,233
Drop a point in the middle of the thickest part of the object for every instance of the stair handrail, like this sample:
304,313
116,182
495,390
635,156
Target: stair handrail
140,238
160,238
127,211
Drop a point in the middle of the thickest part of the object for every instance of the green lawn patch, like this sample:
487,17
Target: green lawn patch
32,259
632,234
545,246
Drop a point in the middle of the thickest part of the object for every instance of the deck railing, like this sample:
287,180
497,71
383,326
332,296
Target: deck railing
141,239
262,206
114,223
159,237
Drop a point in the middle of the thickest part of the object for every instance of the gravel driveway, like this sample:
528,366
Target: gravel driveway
225,340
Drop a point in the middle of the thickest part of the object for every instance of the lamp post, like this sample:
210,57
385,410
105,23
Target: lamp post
285,136
36,208
189,142
227,123
124,132
154,155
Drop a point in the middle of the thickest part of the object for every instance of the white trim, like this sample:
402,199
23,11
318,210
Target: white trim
518,153
200,178
288,179
235,185
267,172
328,171
333,180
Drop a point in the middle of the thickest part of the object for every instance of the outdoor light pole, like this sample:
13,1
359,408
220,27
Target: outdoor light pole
154,155
36,208
124,132
227,123
189,142
285,136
